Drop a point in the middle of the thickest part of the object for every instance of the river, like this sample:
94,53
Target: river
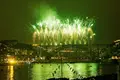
44,71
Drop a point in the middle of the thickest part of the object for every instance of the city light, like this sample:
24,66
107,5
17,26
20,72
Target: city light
11,61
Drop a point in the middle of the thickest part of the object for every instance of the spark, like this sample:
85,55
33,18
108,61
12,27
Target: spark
53,31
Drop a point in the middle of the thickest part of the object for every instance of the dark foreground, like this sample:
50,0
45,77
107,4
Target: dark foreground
102,77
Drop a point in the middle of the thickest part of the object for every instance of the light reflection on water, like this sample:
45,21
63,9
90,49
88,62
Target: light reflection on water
76,70
43,71
10,73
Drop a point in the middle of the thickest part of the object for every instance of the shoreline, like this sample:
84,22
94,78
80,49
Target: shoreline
59,62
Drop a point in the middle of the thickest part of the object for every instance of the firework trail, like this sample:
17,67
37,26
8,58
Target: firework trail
53,31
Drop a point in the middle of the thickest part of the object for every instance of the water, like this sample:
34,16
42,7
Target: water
43,71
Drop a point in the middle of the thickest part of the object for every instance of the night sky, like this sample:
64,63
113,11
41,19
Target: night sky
17,15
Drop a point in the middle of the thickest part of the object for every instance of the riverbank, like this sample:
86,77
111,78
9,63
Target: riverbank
64,61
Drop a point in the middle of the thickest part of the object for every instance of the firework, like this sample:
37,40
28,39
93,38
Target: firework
53,31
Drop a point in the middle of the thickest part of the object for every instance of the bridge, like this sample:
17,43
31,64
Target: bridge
78,51
95,51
